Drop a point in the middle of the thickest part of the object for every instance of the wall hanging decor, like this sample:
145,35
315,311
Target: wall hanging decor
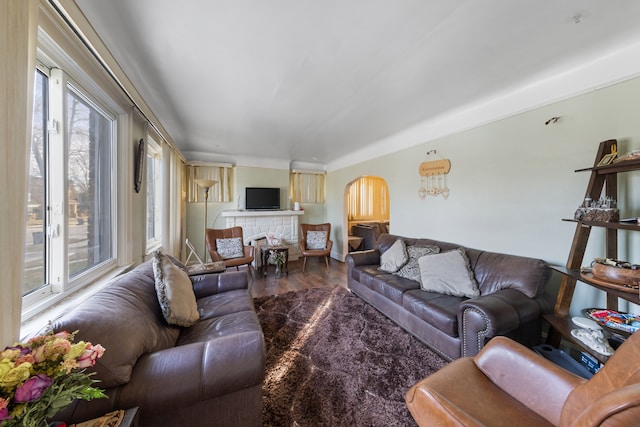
139,164
433,176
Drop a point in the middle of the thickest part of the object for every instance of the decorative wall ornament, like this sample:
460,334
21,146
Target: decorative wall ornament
433,176
139,164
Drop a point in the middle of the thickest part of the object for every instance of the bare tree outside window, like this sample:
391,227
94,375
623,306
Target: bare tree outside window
88,185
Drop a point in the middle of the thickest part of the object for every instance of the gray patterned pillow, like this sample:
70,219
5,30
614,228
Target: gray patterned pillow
316,240
175,292
230,248
411,270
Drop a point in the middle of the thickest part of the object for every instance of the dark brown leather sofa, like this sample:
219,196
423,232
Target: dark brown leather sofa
510,302
207,374
507,384
369,233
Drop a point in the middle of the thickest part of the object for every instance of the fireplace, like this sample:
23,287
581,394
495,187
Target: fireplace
256,224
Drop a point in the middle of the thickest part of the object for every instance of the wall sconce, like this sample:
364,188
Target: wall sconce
433,176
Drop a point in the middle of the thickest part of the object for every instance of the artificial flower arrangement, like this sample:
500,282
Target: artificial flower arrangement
277,257
41,377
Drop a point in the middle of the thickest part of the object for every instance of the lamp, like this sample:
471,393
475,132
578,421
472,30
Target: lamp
205,184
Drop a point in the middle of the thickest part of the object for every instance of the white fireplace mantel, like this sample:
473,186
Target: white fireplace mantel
261,213
256,224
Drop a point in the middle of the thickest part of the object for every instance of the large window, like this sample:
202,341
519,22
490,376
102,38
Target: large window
70,228
89,208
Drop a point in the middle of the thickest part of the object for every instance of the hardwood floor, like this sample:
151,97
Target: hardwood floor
315,275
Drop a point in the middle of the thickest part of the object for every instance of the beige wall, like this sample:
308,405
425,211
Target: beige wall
244,176
512,181
138,206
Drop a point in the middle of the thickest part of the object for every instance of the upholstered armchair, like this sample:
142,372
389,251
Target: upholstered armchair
314,241
227,245
506,384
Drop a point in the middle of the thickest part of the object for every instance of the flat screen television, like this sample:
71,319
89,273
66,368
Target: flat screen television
262,198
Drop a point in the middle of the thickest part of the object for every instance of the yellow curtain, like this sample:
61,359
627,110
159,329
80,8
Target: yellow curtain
368,199
221,192
306,187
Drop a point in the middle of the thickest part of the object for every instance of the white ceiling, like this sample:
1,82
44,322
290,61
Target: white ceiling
318,81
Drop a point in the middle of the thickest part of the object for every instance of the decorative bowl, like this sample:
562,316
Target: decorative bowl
619,275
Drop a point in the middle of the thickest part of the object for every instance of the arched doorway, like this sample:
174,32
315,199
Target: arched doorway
366,212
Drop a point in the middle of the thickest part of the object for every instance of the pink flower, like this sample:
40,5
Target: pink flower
32,388
90,355
4,414
63,334
26,358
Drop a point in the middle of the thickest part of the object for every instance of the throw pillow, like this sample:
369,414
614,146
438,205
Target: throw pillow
411,270
175,292
316,240
448,273
394,258
230,248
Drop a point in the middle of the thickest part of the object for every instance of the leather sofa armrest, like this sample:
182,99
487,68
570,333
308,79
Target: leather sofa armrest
182,376
486,316
619,407
209,284
371,257
534,381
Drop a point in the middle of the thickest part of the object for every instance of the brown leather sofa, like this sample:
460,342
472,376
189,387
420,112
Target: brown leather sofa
369,232
510,302
507,384
207,374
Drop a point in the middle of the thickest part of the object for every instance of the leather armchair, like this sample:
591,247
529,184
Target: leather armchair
211,234
368,234
306,252
508,384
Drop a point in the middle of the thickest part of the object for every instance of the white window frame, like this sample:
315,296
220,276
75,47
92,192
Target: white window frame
52,60
154,154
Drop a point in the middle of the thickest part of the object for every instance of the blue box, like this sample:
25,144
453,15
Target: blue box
592,364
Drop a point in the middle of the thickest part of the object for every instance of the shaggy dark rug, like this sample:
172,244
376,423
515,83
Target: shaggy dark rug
333,360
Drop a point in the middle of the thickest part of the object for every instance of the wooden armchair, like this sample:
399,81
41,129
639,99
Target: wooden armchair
247,253
315,248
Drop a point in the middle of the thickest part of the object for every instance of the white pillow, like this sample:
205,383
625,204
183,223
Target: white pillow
394,258
175,292
448,273
316,240
230,248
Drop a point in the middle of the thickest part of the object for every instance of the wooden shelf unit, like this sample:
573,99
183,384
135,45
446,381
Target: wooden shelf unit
602,178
